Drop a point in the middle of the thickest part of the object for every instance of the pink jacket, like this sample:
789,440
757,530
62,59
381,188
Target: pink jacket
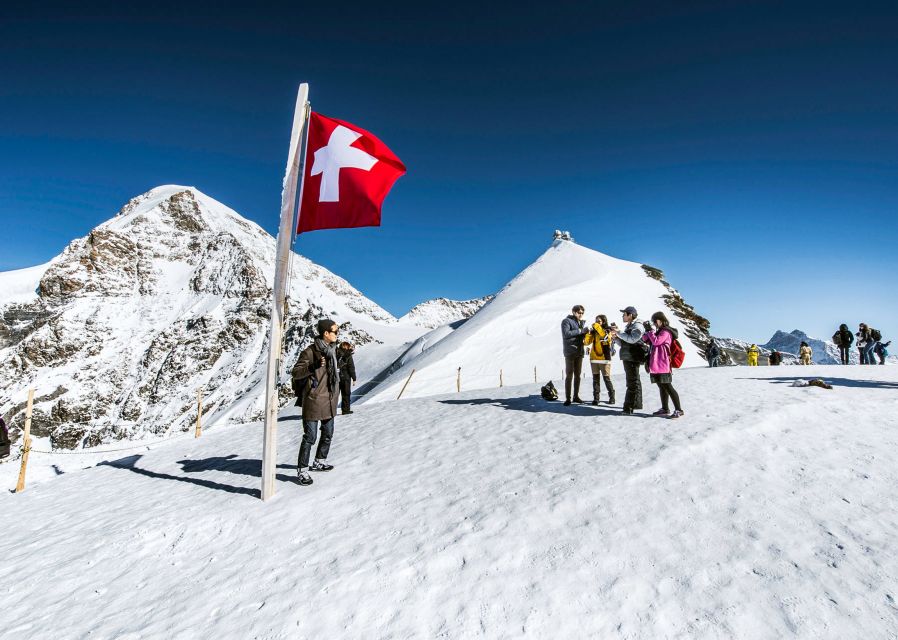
659,359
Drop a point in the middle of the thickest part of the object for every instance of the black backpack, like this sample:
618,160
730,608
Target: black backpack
876,334
837,339
548,391
640,351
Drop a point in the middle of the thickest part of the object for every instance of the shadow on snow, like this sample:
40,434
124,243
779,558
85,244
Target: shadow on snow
535,404
228,464
836,382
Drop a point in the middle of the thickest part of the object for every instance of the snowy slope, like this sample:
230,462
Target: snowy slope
442,311
767,512
170,296
520,328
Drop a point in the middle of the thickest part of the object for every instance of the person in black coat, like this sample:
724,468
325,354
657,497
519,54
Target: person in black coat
347,375
573,331
4,439
712,354
843,339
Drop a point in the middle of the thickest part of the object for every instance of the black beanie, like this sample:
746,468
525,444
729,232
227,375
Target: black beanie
325,325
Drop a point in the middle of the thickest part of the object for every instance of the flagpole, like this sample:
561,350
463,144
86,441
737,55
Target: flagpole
292,179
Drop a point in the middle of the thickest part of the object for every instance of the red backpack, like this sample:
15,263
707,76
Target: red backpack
677,355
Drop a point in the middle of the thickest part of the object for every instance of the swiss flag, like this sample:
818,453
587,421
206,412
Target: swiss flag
348,174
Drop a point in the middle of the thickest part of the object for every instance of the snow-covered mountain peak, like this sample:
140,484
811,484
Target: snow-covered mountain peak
442,311
172,294
518,333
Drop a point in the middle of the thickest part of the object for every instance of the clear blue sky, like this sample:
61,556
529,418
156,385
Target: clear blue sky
748,149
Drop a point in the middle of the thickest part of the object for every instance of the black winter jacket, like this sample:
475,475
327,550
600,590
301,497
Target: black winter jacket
346,364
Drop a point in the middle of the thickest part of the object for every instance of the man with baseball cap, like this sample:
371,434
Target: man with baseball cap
632,356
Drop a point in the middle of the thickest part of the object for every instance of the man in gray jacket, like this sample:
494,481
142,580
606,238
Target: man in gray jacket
573,330
631,354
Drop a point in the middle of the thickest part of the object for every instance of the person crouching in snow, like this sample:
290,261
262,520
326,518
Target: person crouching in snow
753,353
660,335
881,350
805,352
318,364
600,358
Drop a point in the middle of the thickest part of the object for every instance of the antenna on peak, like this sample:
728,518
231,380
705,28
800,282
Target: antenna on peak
563,235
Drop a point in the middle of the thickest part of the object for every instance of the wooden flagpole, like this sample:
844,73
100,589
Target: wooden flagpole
292,184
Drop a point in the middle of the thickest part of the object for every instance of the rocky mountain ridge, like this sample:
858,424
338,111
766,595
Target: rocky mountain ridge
169,297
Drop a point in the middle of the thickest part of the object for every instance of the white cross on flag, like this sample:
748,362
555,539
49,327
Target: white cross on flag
348,174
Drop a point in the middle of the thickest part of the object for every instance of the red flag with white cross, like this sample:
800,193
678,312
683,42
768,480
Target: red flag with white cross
348,173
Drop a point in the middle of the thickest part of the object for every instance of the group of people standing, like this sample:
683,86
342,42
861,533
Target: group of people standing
869,344
646,344
322,374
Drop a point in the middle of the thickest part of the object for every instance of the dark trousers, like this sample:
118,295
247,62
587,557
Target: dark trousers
573,368
863,352
345,393
712,361
633,399
310,428
4,441
870,355
843,354
597,386
669,393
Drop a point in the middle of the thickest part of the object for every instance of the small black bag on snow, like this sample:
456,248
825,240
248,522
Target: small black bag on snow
549,392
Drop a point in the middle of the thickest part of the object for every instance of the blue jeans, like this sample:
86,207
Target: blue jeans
868,353
310,427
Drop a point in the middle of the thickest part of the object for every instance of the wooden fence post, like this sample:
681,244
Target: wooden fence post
199,413
409,379
500,378
458,381
26,443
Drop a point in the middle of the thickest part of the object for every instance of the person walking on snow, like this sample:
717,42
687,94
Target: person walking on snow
775,358
573,332
318,364
753,353
600,358
347,375
712,354
805,352
660,335
633,356
843,339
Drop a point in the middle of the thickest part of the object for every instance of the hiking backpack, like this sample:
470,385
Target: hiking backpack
876,334
677,355
837,339
548,391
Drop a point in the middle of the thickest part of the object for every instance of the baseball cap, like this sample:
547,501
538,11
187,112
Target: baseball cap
630,311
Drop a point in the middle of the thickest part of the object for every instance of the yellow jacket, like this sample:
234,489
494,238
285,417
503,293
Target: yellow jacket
601,348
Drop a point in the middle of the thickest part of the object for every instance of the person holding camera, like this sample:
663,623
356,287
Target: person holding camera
632,356
660,335
600,358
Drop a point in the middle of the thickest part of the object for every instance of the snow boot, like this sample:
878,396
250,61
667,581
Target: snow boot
567,403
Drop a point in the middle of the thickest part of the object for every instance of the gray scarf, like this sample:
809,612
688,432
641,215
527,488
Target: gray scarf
329,351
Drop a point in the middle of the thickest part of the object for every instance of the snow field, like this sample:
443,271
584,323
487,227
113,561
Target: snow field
767,512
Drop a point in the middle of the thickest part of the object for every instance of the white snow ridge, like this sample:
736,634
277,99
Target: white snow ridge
520,329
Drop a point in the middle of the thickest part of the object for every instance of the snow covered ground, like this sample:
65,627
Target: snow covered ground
769,511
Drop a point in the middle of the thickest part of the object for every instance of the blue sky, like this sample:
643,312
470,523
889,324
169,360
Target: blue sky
748,149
